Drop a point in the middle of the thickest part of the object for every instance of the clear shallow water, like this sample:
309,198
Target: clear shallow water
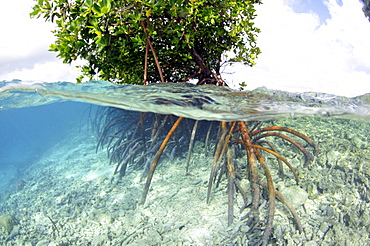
27,133
63,179
196,102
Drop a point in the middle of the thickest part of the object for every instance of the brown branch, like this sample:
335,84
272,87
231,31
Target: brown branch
156,159
289,206
219,153
231,188
191,76
308,156
219,80
294,132
146,64
281,158
271,191
281,170
191,143
252,164
153,51
200,62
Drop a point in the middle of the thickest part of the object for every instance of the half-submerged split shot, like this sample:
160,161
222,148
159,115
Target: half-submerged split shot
152,147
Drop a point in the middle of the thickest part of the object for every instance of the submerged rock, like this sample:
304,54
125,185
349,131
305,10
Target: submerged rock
105,219
332,157
295,195
7,222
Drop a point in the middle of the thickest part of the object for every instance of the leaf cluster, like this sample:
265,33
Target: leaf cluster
366,8
113,36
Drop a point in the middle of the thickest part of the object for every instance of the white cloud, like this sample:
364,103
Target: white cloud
52,71
22,35
24,46
299,54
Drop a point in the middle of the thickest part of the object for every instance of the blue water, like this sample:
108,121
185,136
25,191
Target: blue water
27,133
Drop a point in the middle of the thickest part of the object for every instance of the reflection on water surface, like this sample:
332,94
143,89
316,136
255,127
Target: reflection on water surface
197,102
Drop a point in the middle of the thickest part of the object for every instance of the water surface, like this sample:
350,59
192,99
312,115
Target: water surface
197,102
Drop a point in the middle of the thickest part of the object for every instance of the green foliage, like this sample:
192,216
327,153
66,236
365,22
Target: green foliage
242,85
188,36
366,8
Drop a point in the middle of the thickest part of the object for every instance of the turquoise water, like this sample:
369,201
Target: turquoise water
28,132
61,190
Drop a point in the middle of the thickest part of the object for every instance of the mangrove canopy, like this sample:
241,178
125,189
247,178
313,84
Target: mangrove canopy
152,40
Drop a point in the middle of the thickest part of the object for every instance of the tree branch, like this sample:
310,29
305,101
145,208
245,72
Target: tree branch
153,51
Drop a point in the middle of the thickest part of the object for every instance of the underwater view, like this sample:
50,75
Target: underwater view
178,164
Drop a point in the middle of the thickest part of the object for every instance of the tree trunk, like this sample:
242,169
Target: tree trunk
205,75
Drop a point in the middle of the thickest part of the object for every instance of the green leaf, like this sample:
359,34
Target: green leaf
35,11
105,6
53,47
96,9
110,35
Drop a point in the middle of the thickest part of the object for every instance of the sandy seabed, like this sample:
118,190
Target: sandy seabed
70,196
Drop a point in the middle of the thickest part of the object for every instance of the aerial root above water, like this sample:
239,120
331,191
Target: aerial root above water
139,140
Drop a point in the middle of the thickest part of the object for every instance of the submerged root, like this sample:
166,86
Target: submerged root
134,145
156,159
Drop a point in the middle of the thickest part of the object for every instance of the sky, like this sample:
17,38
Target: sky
307,45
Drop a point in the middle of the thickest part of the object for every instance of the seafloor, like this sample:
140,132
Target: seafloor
70,196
